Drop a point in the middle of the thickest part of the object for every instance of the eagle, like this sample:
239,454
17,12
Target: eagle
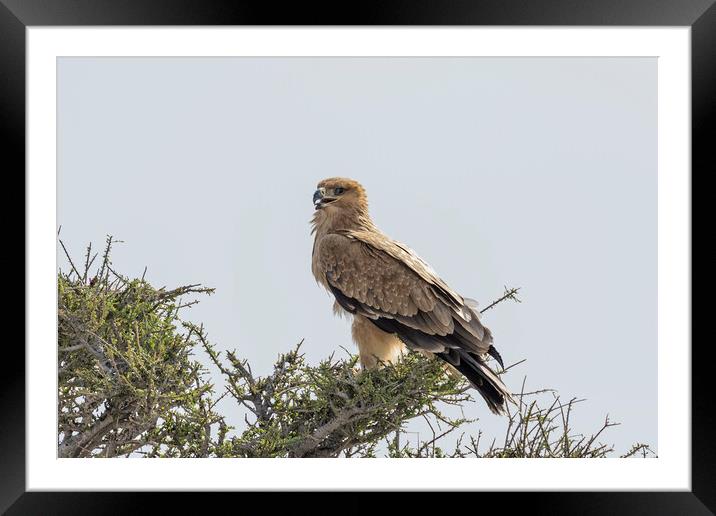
396,299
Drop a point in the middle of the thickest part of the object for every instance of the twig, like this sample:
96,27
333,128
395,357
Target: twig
510,293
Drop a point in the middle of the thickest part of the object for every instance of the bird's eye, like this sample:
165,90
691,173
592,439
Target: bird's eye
338,191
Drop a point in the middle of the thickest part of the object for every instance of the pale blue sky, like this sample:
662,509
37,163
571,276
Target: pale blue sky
530,172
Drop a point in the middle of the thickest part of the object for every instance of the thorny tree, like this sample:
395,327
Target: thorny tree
130,383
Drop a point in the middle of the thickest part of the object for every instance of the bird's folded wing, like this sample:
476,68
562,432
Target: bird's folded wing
371,275
410,259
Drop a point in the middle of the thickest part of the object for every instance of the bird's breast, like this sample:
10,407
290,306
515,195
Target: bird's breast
318,271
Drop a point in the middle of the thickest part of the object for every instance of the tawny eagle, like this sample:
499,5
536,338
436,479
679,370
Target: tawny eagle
395,298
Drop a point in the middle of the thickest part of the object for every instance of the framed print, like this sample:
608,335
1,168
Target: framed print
192,317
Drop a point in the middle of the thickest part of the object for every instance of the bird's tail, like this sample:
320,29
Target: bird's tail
484,379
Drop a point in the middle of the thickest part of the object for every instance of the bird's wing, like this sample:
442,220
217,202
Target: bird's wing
407,256
383,280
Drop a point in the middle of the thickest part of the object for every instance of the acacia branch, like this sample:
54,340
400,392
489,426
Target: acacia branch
510,293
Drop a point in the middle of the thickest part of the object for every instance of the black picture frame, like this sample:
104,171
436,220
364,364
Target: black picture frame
700,15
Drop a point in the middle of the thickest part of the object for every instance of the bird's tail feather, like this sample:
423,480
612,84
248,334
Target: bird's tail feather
484,380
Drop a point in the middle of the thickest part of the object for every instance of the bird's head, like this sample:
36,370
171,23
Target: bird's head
339,194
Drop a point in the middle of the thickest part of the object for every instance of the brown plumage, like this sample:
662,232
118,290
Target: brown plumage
395,298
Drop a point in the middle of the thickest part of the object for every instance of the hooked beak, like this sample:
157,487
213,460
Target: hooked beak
320,199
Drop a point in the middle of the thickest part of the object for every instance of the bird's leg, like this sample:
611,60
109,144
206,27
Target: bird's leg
375,347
